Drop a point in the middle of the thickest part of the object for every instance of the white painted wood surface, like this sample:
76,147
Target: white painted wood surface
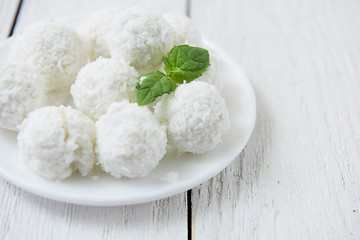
26,216
299,176
8,9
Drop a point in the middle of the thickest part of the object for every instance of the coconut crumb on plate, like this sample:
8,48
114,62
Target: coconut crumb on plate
170,177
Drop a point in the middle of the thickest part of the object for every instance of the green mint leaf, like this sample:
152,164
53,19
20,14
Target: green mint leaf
152,85
186,63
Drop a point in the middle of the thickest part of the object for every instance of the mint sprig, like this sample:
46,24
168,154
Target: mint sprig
182,63
152,85
186,63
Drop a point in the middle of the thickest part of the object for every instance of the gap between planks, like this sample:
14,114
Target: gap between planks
188,193
15,18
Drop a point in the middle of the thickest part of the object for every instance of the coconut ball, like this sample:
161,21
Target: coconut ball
183,29
130,140
141,38
95,29
55,141
21,91
101,83
56,51
195,116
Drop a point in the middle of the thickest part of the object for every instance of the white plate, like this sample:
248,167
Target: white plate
108,191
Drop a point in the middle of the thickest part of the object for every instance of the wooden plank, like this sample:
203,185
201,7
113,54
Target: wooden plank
8,10
299,176
26,216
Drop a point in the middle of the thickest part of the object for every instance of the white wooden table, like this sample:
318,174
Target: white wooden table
299,175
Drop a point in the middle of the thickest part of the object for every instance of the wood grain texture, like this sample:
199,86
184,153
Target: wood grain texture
8,9
299,176
26,216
